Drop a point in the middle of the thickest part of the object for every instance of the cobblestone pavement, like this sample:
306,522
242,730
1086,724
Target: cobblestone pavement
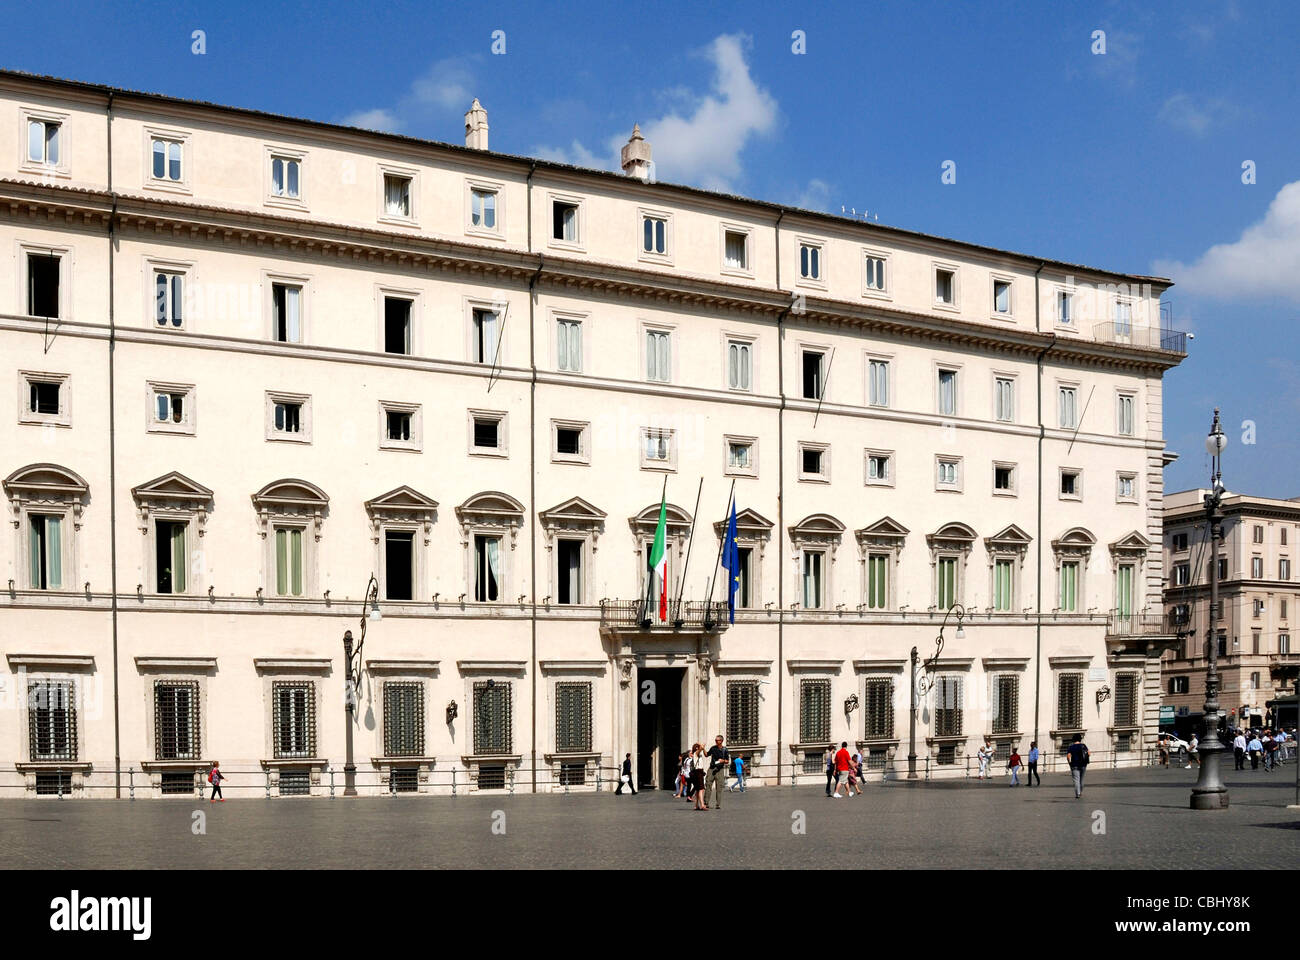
896,825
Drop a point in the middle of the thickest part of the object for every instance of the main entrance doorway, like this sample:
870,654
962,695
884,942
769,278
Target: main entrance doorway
658,725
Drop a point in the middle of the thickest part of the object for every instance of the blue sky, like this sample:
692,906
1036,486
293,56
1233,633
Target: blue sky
1130,160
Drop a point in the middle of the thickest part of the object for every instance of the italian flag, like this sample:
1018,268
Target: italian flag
659,560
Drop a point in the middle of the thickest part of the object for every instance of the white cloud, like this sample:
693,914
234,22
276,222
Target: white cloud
575,154
1265,262
815,196
444,88
377,119
1195,117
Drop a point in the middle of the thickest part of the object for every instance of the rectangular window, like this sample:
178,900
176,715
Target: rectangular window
947,473
52,719
1069,701
1002,296
284,177
169,298
169,407
878,467
1006,704
658,356
654,235
568,345
1126,700
739,455
288,561
878,581
813,579
1124,415
397,325
397,195
812,374
564,221
1284,643
45,551
487,433
1125,486
167,159
568,574
1124,589
1282,538
1003,585
1004,399
658,447
739,364
878,711
811,462
1257,534
814,711
947,400
1284,569
487,569
1123,318
742,712
403,718
1069,599
875,273
573,717
171,556
1067,408
43,278
1282,608
946,588
286,312
397,425
1064,307
399,564
736,250
568,441
43,397
1070,484
1257,567
43,142
810,261
483,209
878,383
1004,478
492,703
948,703
486,334
1258,608
1179,542
744,596
288,417
945,287
176,720
293,718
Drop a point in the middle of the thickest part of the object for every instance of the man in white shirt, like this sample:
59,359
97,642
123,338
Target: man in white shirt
1239,751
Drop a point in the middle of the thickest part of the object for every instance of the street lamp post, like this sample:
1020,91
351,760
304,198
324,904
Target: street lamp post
1210,792
923,685
352,679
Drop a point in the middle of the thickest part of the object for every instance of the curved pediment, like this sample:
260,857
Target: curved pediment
673,515
291,492
45,480
819,524
172,486
491,503
954,531
1075,537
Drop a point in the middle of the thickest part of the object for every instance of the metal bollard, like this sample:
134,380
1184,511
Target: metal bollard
512,780
131,773
598,776
59,775
268,783
331,769
453,781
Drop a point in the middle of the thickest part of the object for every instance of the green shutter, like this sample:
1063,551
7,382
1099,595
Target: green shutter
295,560
281,561
179,563
54,551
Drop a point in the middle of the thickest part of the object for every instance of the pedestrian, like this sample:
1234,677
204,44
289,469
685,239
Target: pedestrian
738,767
1013,764
678,781
1077,754
1033,765
1270,750
1255,748
843,762
830,769
1239,751
984,755
1162,745
626,779
859,770
1281,738
215,777
1194,752
698,762
719,761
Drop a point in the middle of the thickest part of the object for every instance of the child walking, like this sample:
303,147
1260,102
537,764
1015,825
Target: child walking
1013,764
215,777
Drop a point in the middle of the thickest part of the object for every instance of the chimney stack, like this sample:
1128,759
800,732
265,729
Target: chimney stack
636,155
476,127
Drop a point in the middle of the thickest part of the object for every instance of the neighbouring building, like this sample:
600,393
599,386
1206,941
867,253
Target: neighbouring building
254,360
1258,595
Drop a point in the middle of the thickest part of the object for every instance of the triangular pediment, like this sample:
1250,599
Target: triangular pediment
1010,534
1131,541
401,498
575,509
171,486
748,521
884,527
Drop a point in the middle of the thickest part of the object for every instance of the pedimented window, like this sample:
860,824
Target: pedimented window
572,529
401,521
47,501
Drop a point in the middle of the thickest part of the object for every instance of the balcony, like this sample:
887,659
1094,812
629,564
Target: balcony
1148,338
682,615
1145,624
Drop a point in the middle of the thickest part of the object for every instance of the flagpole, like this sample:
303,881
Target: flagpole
677,619
708,604
650,580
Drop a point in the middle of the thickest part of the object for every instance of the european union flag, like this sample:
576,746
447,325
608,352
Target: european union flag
731,562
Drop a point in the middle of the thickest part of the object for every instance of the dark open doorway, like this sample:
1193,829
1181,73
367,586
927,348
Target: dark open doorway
659,725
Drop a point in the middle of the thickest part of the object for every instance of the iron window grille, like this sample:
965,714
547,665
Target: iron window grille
403,718
52,720
573,717
53,784
573,774
948,708
406,779
295,783
492,719
947,754
1126,700
492,776
293,718
1006,704
878,713
742,712
177,783
1069,702
814,711
176,720
813,762
877,758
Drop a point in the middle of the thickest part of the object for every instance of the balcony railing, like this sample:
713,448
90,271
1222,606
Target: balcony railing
684,614
1150,338
1144,624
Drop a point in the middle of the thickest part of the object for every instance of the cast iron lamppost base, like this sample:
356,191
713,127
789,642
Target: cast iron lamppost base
1210,793
352,677
922,686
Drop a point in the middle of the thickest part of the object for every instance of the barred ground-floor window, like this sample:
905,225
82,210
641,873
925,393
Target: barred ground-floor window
293,718
52,719
492,703
403,718
878,709
814,711
742,712
573,717
176,720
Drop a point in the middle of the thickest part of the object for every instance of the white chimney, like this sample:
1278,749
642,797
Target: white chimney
636,155
476,127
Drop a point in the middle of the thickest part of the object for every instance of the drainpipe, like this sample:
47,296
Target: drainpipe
780,510
1038,533
532,475
112,458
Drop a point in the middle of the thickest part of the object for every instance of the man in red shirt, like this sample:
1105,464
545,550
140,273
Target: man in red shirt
842,764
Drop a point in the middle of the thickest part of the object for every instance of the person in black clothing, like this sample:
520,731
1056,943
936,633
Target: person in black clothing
830,769
1078,757
627,772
